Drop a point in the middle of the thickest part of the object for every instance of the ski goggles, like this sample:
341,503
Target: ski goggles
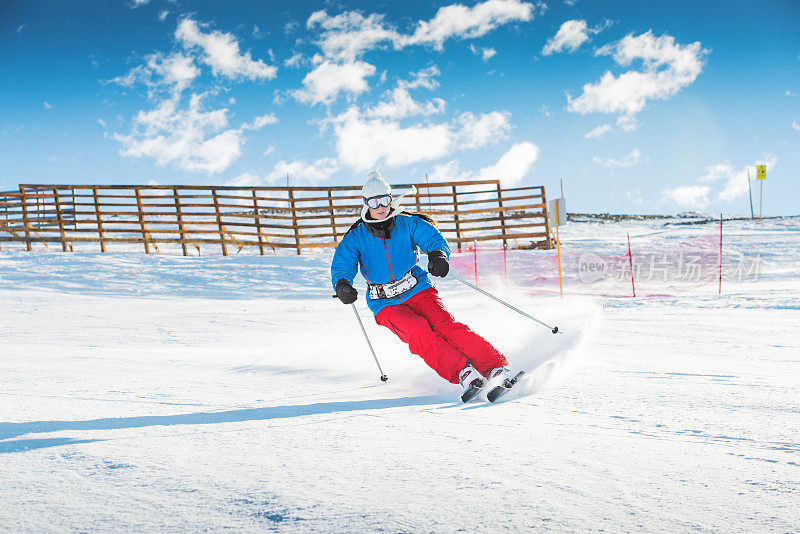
375,202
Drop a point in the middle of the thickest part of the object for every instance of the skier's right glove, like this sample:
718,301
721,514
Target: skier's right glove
345,291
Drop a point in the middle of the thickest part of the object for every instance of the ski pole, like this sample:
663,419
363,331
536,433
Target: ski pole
384,378
553,329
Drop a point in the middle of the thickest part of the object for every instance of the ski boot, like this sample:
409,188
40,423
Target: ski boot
499,374
472,382
501,381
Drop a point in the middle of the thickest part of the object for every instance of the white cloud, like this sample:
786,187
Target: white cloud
627,123
512,166
290,27
221,53
162,16
346,36
635,196
269,150
734,183
47,105
328,79
137,3
373,136
401,105
689,196
294,60
21,27
457,20
544,110
634,158
425,78
191,139
101,122
300,171
175,72
481,131
365,143
246,179
485,53
449,172
570,36
668,68
795,126
510,169
598,132
260,122
716,172
139,73
736,180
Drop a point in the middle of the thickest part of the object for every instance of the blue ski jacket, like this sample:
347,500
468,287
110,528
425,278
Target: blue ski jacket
386,260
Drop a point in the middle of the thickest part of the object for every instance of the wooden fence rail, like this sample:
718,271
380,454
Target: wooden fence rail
265,217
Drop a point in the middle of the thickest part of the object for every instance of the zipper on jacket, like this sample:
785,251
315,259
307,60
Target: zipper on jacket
385,246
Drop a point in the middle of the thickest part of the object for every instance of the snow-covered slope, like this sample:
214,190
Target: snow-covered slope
166,393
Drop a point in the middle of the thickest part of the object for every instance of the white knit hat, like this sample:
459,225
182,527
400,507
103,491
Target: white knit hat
375,186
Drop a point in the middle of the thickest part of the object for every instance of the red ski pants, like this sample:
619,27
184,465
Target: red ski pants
432,333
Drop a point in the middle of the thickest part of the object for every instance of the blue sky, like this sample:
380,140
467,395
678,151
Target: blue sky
640,107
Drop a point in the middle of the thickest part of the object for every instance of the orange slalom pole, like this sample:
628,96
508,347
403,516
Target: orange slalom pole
558,253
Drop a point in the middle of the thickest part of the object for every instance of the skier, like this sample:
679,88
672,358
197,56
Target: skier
384,244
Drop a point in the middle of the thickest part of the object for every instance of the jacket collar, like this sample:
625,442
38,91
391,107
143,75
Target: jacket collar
381,229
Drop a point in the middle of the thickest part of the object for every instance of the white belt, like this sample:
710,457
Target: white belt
392,289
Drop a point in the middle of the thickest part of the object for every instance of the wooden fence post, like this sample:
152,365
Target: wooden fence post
546,218
180,220
294,220
60,220
24,198
141,221
456,218
99,220
257,214
333,217
219,222
502,213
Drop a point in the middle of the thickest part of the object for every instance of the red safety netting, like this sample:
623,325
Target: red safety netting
660,266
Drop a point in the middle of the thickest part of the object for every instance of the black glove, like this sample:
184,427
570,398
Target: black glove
345,291
437,263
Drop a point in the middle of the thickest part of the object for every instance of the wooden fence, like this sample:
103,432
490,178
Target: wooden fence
265,217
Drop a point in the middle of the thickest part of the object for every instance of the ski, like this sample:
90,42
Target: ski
498,391
471,392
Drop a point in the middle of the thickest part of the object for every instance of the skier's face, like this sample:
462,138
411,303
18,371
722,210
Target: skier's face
380,212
